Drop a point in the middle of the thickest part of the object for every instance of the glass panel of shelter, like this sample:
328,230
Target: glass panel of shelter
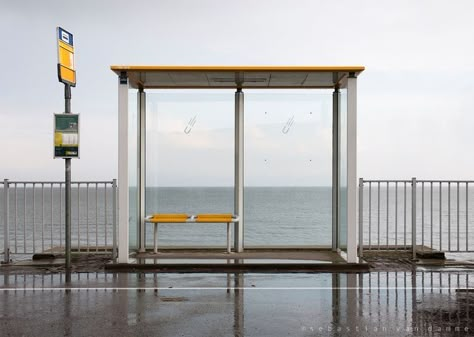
190,165
288,149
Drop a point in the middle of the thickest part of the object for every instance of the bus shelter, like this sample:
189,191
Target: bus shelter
341,81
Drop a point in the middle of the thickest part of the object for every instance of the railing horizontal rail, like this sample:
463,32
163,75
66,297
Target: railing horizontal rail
419,181
60,182
446,181
386,181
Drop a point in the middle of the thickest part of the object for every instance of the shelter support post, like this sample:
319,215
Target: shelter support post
141,164
123,183
239,171
336,97
352,168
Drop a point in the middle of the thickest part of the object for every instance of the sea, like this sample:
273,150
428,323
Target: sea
274,216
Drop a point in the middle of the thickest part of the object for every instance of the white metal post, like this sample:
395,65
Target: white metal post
413,217
352,168
335,168
141,161
123,183
114,219
361,217
239,171
6,227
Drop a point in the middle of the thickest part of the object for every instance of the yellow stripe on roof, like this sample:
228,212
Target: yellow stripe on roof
118,68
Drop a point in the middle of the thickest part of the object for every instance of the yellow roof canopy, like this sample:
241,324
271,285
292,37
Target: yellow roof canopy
278,77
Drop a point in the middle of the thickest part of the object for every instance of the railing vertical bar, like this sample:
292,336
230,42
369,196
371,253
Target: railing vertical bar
449,216
457,212
413,218
396,215
16,217
87,216
24,218
431,214
378,215
370,215
386,234
52,215
96,222
440,216
42,217
405,215
422,215
6,221
60,214
105,213
34,218
78,218
361,207
114,219
467,216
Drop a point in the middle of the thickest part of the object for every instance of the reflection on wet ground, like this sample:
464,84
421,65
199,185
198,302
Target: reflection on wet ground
423,303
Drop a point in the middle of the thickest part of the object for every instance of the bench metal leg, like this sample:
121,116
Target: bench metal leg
228,237
155,249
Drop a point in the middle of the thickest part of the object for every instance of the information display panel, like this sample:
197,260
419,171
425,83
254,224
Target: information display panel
66,136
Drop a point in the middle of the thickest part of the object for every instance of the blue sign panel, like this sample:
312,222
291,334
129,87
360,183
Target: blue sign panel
65,36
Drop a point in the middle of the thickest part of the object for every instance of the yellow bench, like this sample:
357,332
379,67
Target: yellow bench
185,218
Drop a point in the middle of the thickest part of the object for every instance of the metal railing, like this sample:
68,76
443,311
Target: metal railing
33,217
415,215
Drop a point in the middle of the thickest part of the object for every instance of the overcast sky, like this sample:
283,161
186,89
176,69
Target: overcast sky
415,99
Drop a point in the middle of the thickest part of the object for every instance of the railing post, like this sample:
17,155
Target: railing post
361,217
114,220
413,217
6,227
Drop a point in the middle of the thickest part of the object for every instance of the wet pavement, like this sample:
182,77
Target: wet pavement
398,297
382,303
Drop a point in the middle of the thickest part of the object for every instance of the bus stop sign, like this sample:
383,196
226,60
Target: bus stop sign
66,67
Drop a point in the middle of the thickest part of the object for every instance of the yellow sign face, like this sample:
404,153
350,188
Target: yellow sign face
66,67
67,75
66,55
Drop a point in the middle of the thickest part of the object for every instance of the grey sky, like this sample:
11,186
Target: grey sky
414,99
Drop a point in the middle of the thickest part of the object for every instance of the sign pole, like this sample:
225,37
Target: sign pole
67,110
66,130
